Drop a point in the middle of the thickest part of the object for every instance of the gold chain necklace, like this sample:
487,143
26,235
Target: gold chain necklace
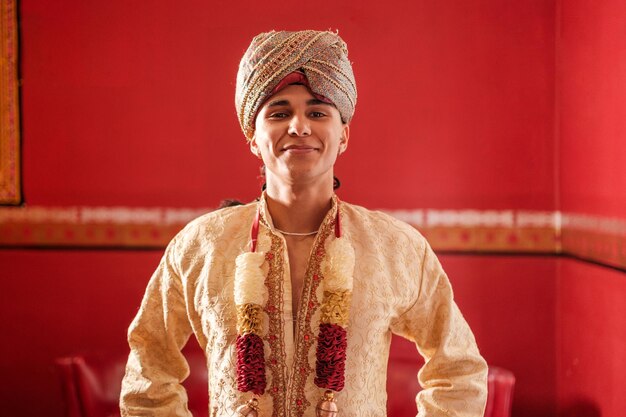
295,233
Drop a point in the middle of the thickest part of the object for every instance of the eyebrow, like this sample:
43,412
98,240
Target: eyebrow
310,102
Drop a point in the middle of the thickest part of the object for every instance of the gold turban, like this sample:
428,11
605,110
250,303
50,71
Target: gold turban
321,56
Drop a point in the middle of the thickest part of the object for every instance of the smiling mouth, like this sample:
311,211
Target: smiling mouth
299,148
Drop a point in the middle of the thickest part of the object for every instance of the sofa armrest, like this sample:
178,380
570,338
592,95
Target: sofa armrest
65,368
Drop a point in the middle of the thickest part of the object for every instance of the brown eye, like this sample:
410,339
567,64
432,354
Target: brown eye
317,114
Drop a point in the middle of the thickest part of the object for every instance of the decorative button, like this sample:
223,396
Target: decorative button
269,256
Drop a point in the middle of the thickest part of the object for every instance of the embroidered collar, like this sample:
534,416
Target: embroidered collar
267,221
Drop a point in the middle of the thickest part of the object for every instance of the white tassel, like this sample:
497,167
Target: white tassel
250,279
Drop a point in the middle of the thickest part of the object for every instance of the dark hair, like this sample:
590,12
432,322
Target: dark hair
229,202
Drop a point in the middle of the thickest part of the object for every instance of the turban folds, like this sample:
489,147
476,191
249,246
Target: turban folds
321,56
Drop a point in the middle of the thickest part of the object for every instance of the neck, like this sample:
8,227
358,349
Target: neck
298,208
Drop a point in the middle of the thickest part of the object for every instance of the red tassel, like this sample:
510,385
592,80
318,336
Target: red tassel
331,357
250,364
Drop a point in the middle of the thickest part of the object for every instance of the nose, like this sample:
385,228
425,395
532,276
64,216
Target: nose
299,126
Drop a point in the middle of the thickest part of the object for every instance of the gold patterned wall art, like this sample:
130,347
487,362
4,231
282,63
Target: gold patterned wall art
10,181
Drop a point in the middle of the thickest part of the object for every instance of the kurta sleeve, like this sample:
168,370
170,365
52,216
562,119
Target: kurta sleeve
454,376
156,366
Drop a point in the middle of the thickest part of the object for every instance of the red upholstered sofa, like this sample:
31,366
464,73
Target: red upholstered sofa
500,399
91,385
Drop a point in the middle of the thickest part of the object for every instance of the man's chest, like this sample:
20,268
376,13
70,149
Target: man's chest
298,257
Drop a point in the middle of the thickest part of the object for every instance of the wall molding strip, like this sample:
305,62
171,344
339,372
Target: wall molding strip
595,238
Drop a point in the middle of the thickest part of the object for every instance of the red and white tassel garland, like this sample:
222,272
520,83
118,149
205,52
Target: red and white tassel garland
338,270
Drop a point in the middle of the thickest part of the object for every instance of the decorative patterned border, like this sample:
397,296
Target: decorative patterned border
595,238
10,188
92,226
486,231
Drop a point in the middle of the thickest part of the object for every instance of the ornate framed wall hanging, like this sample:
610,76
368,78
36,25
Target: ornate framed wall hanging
10,178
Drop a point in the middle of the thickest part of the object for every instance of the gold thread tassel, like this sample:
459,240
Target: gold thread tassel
249,409
326,407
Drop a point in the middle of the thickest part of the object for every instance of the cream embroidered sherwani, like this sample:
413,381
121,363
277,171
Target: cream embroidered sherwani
399,287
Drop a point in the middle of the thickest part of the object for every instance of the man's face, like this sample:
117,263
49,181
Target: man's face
298,137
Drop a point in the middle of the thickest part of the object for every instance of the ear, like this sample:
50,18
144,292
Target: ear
345,137
254,148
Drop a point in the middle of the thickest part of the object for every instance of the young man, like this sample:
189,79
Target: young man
294,298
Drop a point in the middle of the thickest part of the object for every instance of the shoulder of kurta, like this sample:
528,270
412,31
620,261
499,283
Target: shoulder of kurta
381,223
213,225
397,249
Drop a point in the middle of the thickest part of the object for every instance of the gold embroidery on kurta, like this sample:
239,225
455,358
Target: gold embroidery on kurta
275,335
306,335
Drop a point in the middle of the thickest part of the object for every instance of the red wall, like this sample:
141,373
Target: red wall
56,303
592,86
591,306
132,104
591,323
509,303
